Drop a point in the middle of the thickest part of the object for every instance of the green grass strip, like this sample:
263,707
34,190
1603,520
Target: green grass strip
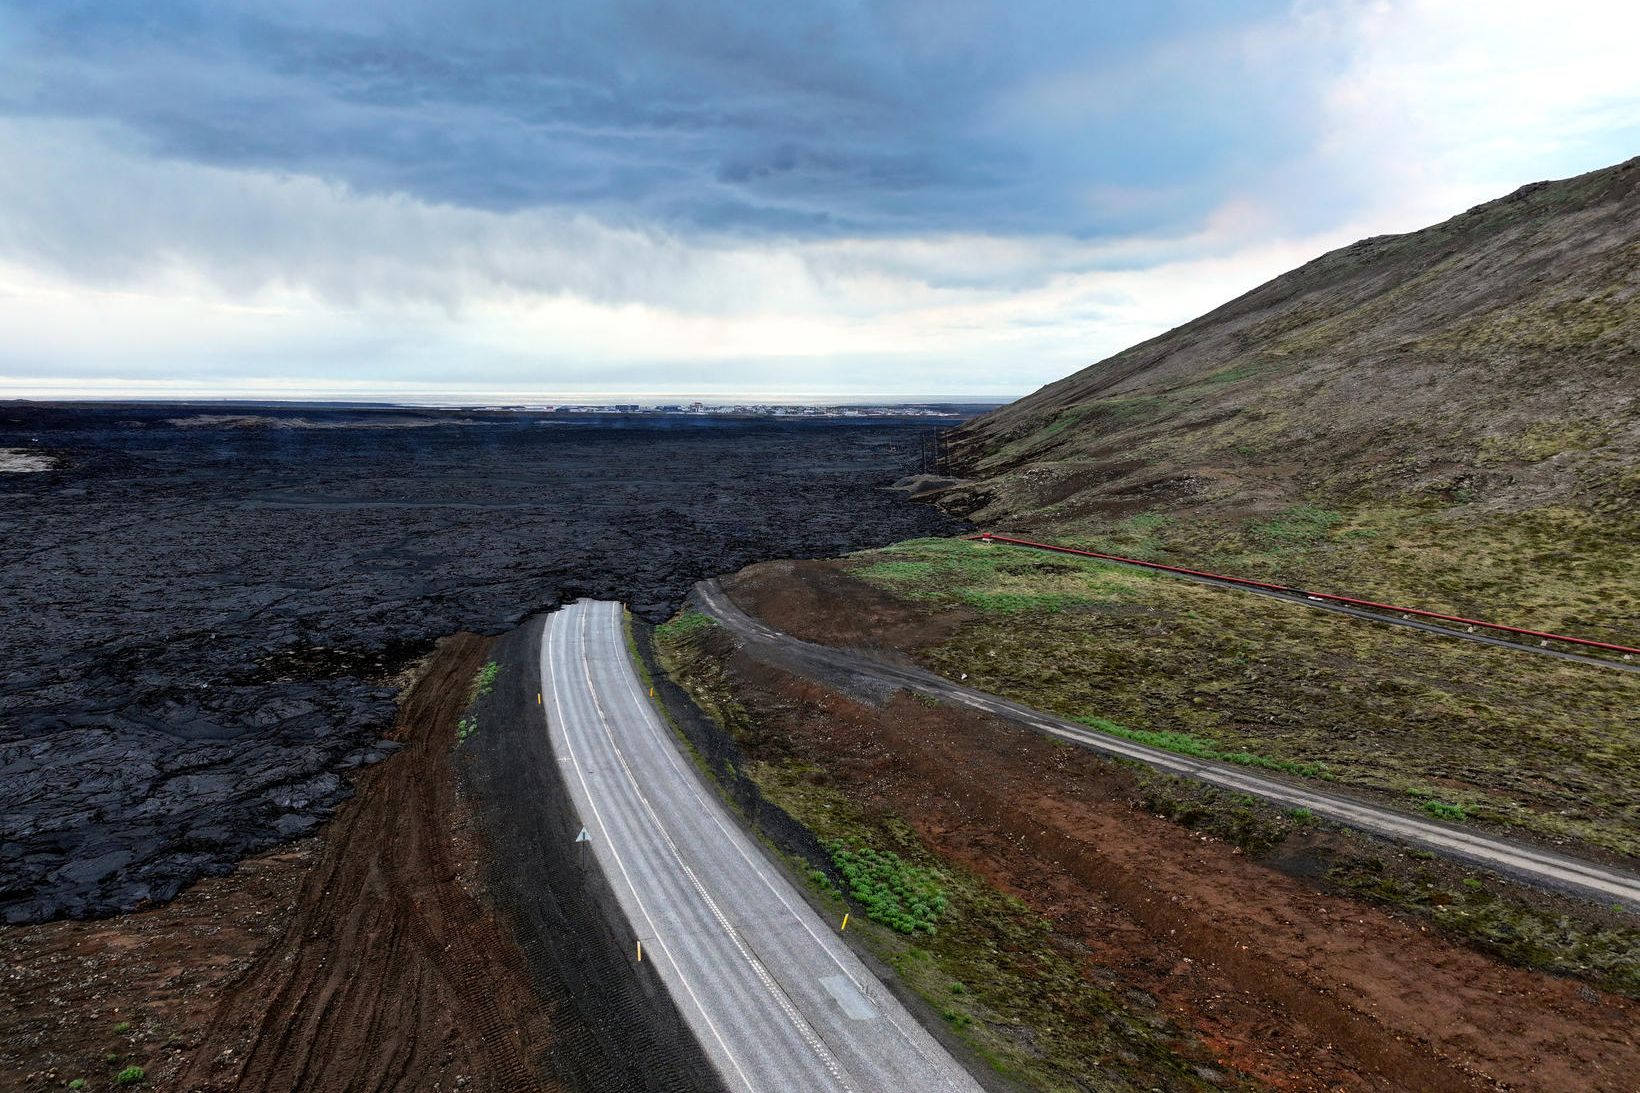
1184,743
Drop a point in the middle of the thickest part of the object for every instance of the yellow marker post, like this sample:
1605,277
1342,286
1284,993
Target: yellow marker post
538,698
651,692
640,950
845,923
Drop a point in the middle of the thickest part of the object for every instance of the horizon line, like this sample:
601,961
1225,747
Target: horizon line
646,402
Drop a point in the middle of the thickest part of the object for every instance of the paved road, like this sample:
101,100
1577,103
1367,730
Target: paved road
1529,863
776,999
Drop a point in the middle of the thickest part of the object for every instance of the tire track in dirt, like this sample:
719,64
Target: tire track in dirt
389,976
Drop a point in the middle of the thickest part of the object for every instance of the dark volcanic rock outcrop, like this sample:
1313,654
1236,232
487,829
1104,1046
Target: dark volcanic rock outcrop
200,612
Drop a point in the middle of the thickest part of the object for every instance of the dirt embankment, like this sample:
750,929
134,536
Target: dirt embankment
359,960
1303,989
390,975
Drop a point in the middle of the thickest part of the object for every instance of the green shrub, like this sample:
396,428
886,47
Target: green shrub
485,682
823,883
77,1083
131,1075
901,896
1443,811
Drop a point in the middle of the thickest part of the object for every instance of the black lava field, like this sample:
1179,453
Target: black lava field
202,606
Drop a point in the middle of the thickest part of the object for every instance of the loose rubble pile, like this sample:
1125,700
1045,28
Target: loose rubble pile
200,619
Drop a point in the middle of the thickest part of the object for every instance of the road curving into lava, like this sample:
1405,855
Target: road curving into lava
1532,864
775,998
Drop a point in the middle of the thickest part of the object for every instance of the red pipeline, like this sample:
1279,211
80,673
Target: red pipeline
991,537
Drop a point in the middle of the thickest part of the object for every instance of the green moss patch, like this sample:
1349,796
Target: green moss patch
993,579
682,625
1186,744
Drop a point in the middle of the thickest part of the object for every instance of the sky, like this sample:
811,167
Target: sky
516,200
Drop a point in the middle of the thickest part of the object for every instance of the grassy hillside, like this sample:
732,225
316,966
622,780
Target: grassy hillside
1447,419
1450,417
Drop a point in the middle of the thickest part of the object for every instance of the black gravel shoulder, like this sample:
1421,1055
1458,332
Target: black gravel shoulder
614,1024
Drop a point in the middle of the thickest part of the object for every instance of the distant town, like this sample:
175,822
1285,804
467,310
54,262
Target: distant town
894,410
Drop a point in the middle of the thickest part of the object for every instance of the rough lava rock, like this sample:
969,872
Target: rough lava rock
201,609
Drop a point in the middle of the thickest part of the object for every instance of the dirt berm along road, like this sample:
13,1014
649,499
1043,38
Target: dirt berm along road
1526,862
775,998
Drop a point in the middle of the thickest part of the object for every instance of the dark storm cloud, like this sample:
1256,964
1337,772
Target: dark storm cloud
807,119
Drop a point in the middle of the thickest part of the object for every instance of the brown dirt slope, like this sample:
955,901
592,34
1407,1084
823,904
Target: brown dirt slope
389,975
358,960
1485,366
85,999
1304,989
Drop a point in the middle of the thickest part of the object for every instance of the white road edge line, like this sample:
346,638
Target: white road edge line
816,1043
547,644
652,719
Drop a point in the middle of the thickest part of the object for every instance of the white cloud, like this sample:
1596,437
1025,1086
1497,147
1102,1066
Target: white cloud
122,271
257,277
1447,103
552,345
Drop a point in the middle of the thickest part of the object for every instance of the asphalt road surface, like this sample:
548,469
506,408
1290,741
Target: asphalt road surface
774,996
1528,863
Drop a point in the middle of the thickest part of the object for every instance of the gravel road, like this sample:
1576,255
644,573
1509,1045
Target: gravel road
1529,863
